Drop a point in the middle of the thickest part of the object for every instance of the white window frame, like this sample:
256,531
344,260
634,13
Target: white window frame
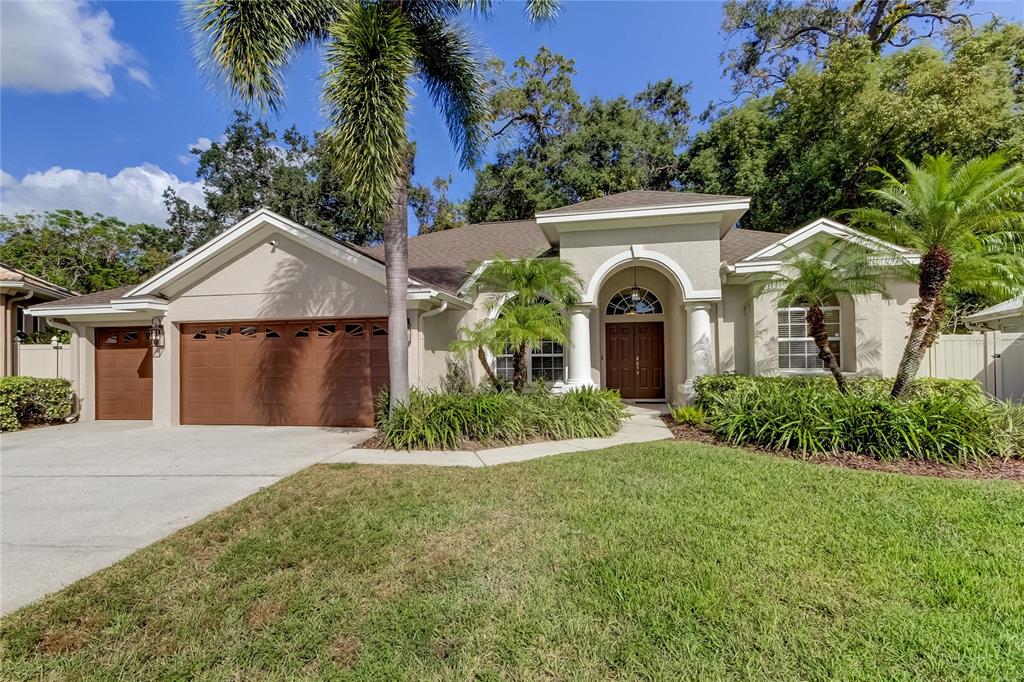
508,373
837,338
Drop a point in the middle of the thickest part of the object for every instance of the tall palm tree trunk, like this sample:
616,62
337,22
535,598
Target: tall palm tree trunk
924,319
519,369
396,272
816,326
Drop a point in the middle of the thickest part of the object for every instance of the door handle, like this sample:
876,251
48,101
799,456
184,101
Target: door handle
638,364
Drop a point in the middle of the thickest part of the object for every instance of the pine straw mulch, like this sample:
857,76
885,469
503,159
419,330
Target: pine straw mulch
995,469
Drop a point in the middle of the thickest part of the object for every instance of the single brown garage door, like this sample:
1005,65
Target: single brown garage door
124,373
294,372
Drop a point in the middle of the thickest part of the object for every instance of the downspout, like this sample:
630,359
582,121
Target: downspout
419,349
8,367
77,404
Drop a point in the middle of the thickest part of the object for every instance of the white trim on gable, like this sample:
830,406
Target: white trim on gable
833,229
181,269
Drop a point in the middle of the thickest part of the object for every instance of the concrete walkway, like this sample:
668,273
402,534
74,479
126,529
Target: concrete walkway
644,424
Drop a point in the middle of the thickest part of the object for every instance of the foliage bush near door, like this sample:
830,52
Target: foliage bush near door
448,421
951,422
31,400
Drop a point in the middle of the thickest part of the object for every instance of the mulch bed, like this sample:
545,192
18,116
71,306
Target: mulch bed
995,469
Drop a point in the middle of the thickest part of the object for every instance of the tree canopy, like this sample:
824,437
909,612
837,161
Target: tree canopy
84,253
771,38
254,167
806,149
554,149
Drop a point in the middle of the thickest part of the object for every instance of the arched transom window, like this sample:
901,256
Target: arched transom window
634,301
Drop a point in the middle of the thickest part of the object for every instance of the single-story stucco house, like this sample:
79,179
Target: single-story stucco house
1007,316
18,291
273,323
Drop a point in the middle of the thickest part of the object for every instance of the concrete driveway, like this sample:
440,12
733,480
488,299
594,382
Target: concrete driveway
78,497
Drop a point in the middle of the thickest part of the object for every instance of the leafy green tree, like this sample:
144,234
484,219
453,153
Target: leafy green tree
432,207
966,220
372,53
533,294
823,275
805,150
769,38
556,150
253,167
84,253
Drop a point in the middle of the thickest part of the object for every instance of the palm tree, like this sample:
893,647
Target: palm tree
373,52
967,221
537,290
819,278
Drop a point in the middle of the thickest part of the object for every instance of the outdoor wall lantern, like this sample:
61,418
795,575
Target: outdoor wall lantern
156,333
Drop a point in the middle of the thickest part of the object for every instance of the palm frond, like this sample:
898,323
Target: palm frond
455,80
248,44
371,57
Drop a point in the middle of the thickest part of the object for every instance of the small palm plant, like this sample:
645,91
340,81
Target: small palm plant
967,221
536,290
819,277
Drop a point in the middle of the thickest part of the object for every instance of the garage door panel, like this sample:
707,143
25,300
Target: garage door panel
123,373
297,372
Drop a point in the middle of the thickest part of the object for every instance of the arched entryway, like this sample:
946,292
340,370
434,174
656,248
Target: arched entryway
639,323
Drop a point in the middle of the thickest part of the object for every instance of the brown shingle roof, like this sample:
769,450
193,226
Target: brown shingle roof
640,198
444,259
95,298
737,244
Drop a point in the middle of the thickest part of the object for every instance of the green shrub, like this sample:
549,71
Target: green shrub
30,400
447,421
691,415
949,422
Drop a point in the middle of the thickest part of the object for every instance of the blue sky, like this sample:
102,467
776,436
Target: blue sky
110,94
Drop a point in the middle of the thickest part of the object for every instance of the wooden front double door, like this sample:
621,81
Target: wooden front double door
635,359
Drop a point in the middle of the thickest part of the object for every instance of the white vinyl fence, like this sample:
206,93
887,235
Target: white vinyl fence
40,360
993,359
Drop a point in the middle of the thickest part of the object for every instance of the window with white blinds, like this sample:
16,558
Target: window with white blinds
796,346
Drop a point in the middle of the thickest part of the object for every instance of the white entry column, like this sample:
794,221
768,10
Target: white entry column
699,359
579,348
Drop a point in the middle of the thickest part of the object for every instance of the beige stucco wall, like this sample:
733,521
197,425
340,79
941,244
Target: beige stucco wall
694,246
874,329
288,280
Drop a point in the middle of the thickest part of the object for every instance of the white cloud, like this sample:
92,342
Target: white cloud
61,47
134,194
202,144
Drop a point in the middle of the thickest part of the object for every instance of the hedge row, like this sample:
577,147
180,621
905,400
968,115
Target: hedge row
946,421
444,421
31,400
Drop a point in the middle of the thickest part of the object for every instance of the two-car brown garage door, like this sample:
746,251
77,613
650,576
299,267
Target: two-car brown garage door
302,373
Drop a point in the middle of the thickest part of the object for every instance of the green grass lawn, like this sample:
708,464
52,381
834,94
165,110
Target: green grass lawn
663,560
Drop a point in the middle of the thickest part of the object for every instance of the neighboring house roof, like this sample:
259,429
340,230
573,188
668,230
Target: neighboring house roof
95,298
446,258
14,278
640,198
1012,308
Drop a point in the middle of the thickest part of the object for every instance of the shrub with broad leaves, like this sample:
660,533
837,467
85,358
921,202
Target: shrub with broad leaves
32,400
